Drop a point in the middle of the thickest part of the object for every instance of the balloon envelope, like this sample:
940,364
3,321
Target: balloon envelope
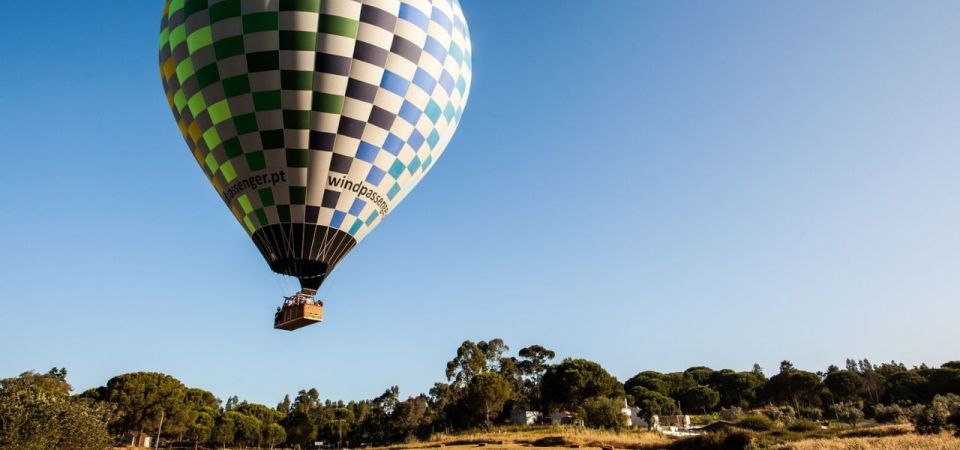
314,118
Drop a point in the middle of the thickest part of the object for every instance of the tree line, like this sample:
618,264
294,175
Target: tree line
483,385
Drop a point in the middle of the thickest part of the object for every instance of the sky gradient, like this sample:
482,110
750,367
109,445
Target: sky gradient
650,185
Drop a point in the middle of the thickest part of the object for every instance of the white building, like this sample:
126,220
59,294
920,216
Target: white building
632,414
521,416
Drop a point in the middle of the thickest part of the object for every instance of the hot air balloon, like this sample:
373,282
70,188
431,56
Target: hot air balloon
313,119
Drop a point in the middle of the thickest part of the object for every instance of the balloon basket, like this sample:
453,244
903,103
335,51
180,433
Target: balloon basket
298,311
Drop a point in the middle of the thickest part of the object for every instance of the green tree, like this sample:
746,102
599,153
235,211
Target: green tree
444,400
794,387
653,403
573,381
201,400
37,413
649,380
904,387
699,398
473,359
339,425
534,361
486,394
700,375
202,408
604,413
737,388
284,406
938,415
224,432
263,413
274,434
300,429
941,382
247,429
509,369
199,433
845,385
232,402
143,398
410,418
308,402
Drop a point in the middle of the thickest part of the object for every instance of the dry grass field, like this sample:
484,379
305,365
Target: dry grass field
898,437
905,442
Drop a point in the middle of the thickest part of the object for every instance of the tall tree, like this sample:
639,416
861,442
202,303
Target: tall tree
284,406
845,385
794,387
534,361
143,398
573,381
699,399
737,388
247,429
487,393
409,418
308,402
274,434
224,432
301,431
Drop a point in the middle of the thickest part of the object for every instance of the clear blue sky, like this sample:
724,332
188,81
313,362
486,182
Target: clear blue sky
651,185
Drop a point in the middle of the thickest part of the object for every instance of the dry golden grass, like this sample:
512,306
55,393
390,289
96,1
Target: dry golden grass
557,436
906,442
885,437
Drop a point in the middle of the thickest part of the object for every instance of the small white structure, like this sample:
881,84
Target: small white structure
632,415
521,416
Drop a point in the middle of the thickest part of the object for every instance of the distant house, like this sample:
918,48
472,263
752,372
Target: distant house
680,422
632,416
523,416
136,439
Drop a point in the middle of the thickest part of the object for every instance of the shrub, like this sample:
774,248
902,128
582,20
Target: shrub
850,413
954,420
732,414
811,413
890,414
938,415
803,425
726,440
756,422
604,413
780,413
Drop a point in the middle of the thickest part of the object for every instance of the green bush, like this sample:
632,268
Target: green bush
890,414
756,422
850,413
732,413
803,425
938,415
604,413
